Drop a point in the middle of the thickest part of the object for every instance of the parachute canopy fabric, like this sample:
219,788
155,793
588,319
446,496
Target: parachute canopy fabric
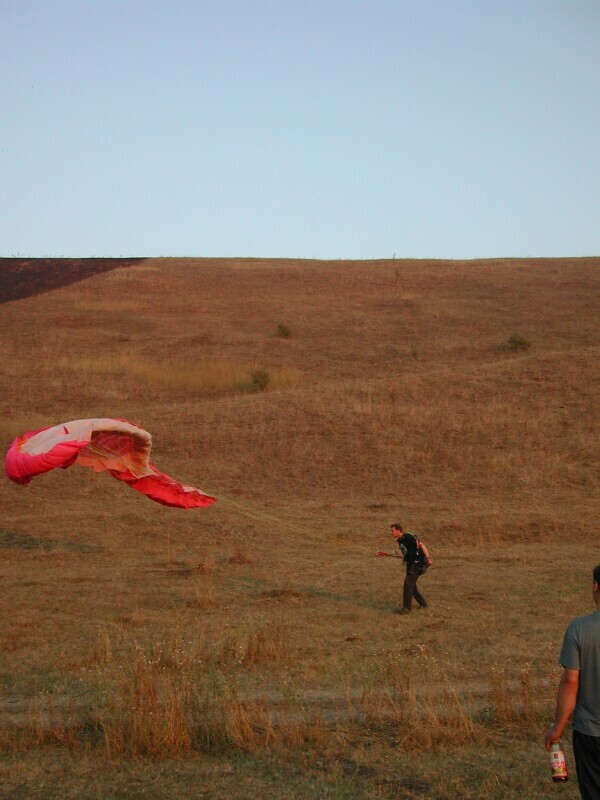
112,445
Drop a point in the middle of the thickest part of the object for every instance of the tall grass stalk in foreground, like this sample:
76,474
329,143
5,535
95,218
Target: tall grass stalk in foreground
176,696
426,712
179,696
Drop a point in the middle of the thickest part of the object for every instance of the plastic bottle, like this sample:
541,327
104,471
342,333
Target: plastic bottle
558,764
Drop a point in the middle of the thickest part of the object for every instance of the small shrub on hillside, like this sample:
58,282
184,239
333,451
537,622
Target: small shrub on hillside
284,331
260,379
516,343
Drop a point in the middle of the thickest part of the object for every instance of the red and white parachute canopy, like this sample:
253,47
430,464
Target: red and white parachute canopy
112,445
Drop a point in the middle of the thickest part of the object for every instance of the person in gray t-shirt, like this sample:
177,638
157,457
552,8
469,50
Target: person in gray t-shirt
579,694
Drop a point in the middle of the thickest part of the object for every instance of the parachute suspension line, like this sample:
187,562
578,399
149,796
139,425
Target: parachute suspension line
307,534
244,509
247,582
257,515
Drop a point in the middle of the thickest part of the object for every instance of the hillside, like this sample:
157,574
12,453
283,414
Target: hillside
319,402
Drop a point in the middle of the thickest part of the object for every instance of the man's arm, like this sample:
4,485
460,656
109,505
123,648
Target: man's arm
424,550
565,703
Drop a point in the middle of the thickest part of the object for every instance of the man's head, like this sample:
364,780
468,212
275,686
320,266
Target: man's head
396,530
596,576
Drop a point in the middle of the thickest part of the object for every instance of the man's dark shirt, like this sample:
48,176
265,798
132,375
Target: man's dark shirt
581,650
409,548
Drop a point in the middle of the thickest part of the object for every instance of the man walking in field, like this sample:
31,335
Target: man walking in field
579,693
417,560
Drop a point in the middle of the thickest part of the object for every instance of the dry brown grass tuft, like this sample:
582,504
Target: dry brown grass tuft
257,642
240,554
199,377
203,596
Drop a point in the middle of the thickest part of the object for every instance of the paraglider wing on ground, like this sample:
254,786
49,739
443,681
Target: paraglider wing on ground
104,444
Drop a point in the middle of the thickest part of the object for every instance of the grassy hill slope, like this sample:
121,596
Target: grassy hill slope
319,402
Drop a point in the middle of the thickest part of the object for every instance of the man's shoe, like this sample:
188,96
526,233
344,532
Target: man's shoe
402,610
422,605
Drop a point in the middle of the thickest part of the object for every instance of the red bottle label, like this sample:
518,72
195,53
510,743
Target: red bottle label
558,765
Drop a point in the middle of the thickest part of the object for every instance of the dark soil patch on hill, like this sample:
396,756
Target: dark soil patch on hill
23,277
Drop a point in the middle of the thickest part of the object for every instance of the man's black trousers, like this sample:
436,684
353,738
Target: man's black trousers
410,588
587,760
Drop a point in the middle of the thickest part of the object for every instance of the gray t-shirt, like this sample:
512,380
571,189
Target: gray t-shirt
581,650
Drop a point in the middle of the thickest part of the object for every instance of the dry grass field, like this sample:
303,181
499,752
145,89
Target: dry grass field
249,650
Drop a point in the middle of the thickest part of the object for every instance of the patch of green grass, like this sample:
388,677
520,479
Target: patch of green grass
23,541
516,343
283,331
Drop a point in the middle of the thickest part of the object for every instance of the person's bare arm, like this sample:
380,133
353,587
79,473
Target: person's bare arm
424,550
565,703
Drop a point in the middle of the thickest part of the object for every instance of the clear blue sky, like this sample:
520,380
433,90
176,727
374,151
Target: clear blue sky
300,128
